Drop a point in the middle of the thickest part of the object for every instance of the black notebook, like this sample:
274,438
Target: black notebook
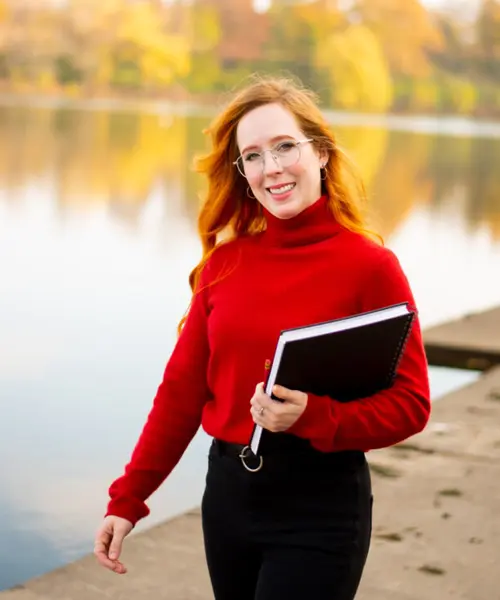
345,359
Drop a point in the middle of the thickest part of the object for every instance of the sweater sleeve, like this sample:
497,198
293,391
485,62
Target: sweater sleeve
173,420
390,416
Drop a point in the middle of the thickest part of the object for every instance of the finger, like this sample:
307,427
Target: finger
116,546
120,568
292,396
261,399
257,416
101,544
259,388
112,565
269,405
259,392
101,553
256,411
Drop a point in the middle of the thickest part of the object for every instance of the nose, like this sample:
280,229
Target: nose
271,164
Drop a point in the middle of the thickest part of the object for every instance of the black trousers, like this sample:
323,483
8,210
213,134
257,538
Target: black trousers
299,528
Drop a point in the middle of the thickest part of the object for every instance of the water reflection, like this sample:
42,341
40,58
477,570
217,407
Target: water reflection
97,236
118,159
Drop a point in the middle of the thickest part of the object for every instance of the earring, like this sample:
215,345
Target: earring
323,173
249,193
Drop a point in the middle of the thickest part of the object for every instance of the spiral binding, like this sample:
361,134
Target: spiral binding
398,354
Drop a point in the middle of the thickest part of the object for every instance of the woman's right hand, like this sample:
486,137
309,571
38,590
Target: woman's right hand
108,543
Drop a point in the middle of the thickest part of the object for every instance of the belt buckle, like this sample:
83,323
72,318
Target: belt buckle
245,454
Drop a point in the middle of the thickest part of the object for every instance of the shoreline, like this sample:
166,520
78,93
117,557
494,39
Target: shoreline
447,477
442,545
448,124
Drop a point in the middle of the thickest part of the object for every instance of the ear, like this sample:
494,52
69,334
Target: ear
323,155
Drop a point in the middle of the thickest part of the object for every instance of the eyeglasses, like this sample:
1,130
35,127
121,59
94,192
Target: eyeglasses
284,154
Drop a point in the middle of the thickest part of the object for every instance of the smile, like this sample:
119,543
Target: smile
282,189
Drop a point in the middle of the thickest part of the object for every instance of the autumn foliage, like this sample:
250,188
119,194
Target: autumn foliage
364,55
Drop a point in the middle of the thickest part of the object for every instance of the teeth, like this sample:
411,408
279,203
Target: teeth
282,189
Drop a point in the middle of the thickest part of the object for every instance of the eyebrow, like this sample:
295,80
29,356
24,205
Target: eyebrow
276,138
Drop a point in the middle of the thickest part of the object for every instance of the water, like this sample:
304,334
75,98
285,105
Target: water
97,236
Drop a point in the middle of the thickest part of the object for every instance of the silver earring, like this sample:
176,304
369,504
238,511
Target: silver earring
323,173
249,193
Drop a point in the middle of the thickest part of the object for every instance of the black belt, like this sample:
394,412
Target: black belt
250,461
229,449
285,449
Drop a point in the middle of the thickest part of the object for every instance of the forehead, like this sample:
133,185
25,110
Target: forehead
265,123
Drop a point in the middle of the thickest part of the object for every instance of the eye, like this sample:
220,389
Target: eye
251,156
285,147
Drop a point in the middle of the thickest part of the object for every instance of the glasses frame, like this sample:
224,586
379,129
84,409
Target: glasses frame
275,158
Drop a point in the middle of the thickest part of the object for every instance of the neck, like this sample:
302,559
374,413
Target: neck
314,224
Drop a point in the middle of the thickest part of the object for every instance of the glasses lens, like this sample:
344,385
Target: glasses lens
239,164
285,154
250,164
288,153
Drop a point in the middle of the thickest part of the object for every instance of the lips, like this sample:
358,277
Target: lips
282,188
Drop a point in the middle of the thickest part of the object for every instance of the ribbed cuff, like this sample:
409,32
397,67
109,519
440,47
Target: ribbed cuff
318,423
127,508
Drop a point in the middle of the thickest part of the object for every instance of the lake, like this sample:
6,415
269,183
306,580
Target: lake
97,236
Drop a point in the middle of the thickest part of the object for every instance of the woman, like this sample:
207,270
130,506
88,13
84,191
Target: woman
295,251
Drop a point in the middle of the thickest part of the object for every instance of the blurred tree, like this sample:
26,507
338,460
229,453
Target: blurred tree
4,23
245,31
358,54
141,44
202,28
452,55
28,45
124,44
297,34
405,30
240,48
4,11
457,94
357,70
488,39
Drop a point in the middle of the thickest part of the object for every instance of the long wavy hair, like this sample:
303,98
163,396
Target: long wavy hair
227,210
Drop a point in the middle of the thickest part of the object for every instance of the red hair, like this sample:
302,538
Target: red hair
227,207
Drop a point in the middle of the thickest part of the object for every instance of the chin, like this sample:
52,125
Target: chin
286,211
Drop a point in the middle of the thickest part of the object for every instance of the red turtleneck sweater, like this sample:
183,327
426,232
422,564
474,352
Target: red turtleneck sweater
302,270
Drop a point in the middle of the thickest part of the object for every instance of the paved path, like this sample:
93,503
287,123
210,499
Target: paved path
436,513
472,342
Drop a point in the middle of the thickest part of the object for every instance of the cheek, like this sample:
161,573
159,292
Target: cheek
256,181
296,170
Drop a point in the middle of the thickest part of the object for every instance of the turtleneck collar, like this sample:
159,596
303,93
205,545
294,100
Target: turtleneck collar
314,224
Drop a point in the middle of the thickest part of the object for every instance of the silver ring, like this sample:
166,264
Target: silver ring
261,410
244,454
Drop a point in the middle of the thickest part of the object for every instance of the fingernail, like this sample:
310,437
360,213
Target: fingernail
112,555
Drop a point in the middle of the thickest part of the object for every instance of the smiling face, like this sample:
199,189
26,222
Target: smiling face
285,191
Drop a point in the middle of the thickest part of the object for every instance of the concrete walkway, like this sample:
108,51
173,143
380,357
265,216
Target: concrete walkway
472,342
436,521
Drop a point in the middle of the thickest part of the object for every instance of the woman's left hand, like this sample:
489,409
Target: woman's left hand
273,415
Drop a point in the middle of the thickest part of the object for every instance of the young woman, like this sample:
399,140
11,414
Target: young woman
284,245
